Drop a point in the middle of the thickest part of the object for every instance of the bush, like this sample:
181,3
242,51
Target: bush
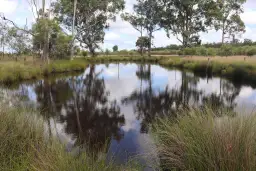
212,52
190,51
84,53
251,52
204,140
226,50
202,51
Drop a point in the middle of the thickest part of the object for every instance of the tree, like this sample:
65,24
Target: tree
59,43
107,52
185,19
3,35
39,14
115,48
143,43
18,41
136,20
73,29
248,42
227,18
147,17
91,19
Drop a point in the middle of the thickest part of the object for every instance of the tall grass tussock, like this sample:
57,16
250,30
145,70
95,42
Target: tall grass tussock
201,140
24,147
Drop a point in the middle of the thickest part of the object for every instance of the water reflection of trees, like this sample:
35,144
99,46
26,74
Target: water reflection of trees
149,103
82,104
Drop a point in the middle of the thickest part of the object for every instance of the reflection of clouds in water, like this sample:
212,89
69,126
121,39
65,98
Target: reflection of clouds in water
213,86
246,92
131,122
122,88
162,77
247,99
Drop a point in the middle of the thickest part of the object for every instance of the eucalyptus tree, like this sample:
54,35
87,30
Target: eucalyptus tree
18,41
115,48
143,43
186,18
38,13
91,19
3,35
227,18
146,16
136,20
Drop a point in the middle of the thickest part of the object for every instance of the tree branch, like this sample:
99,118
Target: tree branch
17,26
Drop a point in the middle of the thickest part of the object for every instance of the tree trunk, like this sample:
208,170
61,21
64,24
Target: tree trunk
46,37
92,51
73,31
3,46
223,33
150,43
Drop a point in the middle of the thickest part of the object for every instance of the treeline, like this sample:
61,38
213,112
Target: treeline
246,42
225,50
67,24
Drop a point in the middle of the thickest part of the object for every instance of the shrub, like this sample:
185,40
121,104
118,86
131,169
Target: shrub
204,140
212,52
84,53
202,51
251,52
190,51
225,50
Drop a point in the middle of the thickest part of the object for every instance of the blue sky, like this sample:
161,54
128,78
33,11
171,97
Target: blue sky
121,33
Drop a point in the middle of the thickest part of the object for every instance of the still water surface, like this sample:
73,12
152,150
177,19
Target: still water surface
117,102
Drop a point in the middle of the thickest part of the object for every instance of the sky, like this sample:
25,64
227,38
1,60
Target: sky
121,33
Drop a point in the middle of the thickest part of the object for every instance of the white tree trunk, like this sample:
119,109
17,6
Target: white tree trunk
73,31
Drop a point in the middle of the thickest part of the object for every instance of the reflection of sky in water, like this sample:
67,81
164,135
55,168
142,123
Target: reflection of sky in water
123,83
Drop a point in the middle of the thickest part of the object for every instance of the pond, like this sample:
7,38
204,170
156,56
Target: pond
112,106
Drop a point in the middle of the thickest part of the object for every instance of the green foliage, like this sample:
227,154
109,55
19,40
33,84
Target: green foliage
251,51
84,53
190,51
202,51
60,46
226,17
226,50
77,51
91,19
185,19
115,48
107,52
147,17
200,139
143,43
18,41
212,52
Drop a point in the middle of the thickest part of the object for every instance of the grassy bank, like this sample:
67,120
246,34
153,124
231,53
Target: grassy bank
24,147
234,69
11,71
239,69
200,140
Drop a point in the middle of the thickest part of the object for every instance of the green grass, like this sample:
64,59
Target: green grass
24,147
17,71
201,140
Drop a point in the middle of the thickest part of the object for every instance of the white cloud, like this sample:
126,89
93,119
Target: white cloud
8,6
249,16
110,36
